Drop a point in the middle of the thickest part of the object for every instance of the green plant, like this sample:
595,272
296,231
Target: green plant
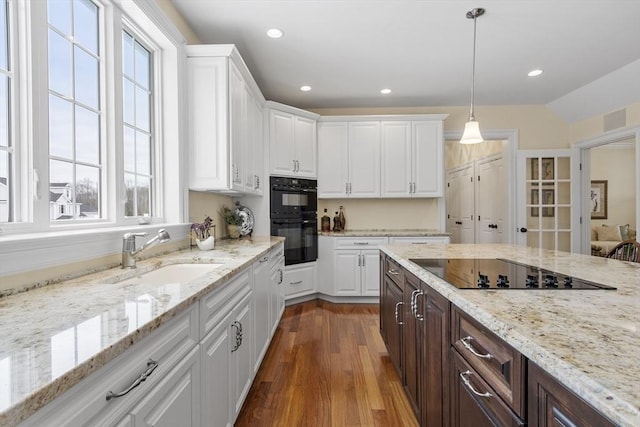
230,216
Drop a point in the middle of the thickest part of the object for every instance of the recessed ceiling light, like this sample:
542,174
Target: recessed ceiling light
534,73
275,33
385,91
305,88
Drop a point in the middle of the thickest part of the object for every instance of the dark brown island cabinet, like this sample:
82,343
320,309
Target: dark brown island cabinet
456,372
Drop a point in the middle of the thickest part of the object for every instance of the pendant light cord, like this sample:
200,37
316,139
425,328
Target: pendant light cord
473,65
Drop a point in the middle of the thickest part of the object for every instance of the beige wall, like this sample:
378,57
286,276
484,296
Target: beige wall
594,126
203,204
617,167
457,154
172,13
392,214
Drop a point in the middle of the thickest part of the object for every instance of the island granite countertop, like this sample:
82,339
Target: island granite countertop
588,340
54,336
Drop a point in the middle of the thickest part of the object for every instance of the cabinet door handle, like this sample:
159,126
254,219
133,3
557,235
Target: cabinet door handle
238,342
361,243
464,376
418,315
265,259
281,276
346,188
151,366
466,341
257,182
393,272
296,283
363,260
399,322
413,301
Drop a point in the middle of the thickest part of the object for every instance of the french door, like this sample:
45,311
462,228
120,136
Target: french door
548,199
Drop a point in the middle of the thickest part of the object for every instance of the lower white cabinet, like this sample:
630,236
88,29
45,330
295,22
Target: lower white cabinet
300,279
173,402
276,296
357,272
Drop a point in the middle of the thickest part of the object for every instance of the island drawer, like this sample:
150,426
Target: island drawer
499,364
393,271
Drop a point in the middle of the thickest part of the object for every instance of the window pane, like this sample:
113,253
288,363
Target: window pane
86,78
59,64
143,153
60,190
129,109
59,13
5,186
87,136
60,127
4,110
4,39
87,191
143,192
129,150
142,62
127,55
85,24
130,186
142,109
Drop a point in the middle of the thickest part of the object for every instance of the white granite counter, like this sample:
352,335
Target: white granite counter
385,232
589,340
53,337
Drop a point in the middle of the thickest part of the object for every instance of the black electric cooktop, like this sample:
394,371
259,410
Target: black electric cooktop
478,273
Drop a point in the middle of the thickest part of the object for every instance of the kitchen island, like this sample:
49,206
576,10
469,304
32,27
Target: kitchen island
54,337
587,340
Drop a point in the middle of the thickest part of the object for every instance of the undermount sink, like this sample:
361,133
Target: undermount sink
173,273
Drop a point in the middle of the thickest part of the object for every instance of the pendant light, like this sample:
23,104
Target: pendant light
471,133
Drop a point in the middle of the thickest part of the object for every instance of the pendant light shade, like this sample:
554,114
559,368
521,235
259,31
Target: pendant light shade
472,133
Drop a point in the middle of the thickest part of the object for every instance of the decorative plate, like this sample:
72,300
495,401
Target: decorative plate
247,220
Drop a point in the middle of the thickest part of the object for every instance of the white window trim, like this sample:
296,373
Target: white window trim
32,246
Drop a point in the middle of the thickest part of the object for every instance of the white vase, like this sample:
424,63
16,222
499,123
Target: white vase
206,244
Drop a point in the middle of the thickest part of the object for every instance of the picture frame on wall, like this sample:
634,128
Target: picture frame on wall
542,168
548,196
598,198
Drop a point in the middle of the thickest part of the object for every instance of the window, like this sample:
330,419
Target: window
74,105
6,145
137,125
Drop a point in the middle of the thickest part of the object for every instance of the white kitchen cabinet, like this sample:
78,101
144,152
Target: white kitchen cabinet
357,266
299,280
242,359
349,159
175,400
168,346
262,299
412,159
292,142
418,240
276,282
224,127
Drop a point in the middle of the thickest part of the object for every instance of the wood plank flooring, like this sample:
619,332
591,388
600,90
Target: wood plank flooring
327,366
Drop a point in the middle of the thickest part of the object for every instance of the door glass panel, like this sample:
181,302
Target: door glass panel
564,193
564,241
548,240
564,218
564,167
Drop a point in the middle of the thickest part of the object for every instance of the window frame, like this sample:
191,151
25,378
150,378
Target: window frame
33,228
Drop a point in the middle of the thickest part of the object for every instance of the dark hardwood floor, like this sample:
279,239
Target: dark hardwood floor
327,366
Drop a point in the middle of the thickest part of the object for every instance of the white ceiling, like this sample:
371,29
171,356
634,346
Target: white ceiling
347,50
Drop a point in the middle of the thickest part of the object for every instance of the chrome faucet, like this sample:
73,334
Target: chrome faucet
129,250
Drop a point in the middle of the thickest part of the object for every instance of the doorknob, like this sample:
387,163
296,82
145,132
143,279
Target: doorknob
523,230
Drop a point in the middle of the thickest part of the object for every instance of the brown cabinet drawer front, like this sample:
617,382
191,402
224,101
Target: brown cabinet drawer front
393,270
473,402
499,364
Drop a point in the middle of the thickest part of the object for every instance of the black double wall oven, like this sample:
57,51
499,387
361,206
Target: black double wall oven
294,206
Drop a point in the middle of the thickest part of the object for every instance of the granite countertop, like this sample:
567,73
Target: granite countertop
385,233
53,337
589,340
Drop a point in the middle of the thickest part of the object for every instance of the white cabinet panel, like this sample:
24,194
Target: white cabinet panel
347,277
333,160
300,279
364,159
307,147
428,159
396,159
356,266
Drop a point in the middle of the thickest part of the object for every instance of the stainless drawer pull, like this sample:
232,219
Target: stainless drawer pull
464,376
467,344
418,315
296,283
393,272
399,322
265,259
151,366
413,302
361,243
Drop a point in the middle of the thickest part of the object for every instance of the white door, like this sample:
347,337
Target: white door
396,159
364,159
306,147
333,161
281,143
548,199
490,201
467,205
454,217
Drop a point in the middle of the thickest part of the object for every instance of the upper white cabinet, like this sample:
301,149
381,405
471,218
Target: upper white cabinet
225,122
349,159
292,141
412,159
381,156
